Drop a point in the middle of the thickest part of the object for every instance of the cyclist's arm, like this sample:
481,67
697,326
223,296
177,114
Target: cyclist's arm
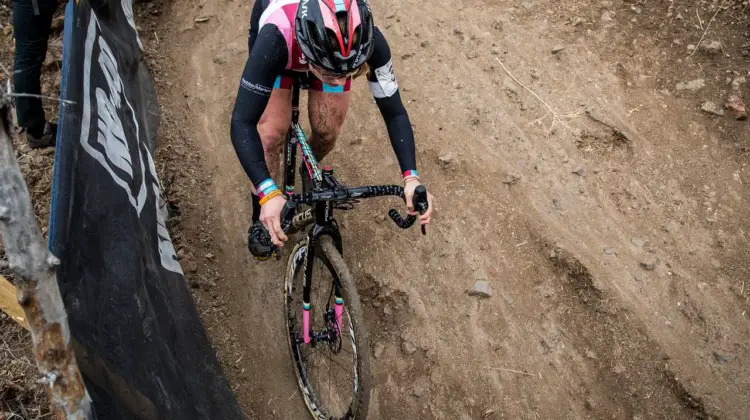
384,88
267,58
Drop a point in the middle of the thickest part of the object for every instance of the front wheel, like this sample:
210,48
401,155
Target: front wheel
333,367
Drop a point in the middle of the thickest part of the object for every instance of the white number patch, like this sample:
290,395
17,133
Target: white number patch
386,85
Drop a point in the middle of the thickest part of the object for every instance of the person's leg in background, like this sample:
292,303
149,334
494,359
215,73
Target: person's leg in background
31,27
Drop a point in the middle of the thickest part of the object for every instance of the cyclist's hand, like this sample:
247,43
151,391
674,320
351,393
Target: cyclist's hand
409,186
270,216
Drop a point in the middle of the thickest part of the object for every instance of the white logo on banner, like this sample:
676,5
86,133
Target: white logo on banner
114,153
127,7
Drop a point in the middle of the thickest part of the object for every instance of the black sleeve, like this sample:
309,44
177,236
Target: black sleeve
254,22
384,88
267,59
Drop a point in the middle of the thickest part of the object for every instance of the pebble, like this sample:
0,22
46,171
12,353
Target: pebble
557,48
639,242
736,108
739,80
692,85
710,107
408,348
580,170
672,226
606,16
378,350
609,251
511,179
723,358
356,141
447,159
481,289
711,48
649,263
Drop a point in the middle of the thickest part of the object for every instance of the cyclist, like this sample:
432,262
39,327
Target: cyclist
325,43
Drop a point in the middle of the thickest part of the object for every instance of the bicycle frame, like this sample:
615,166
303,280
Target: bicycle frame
322,211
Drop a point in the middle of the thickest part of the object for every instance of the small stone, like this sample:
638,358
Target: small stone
356,141
710,107
739,80
723,358
693,85
557,48
408,348
606,17
580,170
511,179
378,350
201,19
590,354
672,226
639,242
190,266
690,47
736,108
446,159
425,44
619,368
210,256
649,263
481,289
387,309
710,48
589,404
7,30
609,251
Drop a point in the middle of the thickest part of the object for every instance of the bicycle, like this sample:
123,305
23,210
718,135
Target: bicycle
320,332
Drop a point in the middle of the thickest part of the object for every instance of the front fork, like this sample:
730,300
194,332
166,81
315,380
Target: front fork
324,225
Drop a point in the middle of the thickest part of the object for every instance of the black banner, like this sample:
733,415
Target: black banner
138,336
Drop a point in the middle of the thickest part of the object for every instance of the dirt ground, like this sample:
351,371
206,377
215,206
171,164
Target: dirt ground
569,170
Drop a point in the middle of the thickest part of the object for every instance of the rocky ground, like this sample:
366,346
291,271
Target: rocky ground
588,255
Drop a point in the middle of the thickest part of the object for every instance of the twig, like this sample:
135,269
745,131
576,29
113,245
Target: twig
32,95
616,131
555,115
511,370
721,6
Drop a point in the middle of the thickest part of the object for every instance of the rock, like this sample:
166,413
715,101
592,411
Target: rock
590,354
692,85
210,256
739,80
736,108
189,265
425,44
202,19
724,358
672,226
606,17
589,404
387,309
7,30
649,263
378,350
481,289
511,179
356,141
710,107
639,242
446,159
710,48
557,48
580,170
609,251
691,47
408,348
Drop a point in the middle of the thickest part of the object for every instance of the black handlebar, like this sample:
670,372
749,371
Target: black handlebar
341,194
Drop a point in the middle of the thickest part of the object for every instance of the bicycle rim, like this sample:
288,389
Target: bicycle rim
352,400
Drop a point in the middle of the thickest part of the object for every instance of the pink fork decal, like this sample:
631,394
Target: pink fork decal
338,310
306,322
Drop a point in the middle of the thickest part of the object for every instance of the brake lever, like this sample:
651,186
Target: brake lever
420,203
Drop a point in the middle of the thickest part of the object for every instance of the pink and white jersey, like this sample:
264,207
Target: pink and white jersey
281,14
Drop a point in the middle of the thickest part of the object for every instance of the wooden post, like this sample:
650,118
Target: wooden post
38,293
